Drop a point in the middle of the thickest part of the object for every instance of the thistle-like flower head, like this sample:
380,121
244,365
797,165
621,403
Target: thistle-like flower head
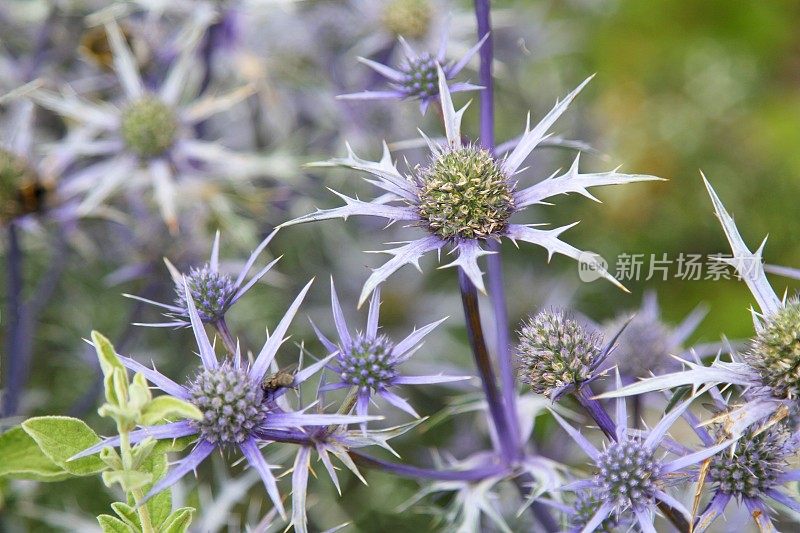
466,197
775,350
148,127
369,361
233,408
629,476
649,344
753,465
628,472
417,75
150,130
407,18
555,351
212,292
464,194
368,364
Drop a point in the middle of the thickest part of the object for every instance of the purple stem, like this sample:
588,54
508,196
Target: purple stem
494,261
474,474
17,349
227,338
585,397
469,299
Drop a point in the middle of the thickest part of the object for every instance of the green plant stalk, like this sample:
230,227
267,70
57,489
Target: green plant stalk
127,464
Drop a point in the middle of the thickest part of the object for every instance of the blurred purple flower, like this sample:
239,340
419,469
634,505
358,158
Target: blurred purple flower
147,130
416,77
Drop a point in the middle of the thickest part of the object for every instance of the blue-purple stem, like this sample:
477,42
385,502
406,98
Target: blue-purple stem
586,398
16,348
416,472
495,262
469,299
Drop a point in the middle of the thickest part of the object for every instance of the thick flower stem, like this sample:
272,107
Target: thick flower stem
227,337
469,299
495,262
415,472
17,348
585,397
137,494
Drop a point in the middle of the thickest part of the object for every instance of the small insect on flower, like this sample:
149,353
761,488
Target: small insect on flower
272,383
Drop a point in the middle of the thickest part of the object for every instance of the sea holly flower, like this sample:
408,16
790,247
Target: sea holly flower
630,477
752,471
149,132
237,413
649,344
213,292
416,77
770,369
368,362
466,197
555,352
31,185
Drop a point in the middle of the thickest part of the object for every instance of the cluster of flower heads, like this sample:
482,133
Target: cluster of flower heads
154,136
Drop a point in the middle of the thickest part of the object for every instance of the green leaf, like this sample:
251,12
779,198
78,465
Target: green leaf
129,480
160,506
106,354
679,394
23,459
168,406
111,524
61,437
175,445
127,514
179,521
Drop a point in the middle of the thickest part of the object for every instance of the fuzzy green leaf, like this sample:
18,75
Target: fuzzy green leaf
23,459
129,480
61,437
127,513
106,354
111,524
160,507
179,521
164,407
